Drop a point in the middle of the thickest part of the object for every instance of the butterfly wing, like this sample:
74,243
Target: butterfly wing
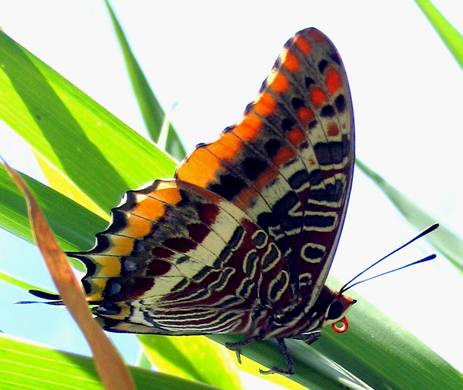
250,223
289,162
178,259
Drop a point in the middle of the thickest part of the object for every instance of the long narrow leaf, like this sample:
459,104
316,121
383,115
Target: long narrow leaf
17,282
152,112
98,153
449,34
74,226
194,358
444,240
26,366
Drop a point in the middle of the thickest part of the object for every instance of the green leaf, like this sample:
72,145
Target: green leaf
143,361
74,226
449,34
97,152
194,357
18,283
444,240
27,366
151,110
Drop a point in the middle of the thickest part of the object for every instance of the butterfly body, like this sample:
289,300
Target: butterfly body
242,239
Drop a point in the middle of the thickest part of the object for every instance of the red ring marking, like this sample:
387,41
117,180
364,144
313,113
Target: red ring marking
343,328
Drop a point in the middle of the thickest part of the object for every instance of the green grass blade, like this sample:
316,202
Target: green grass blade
194,357
174,145
74,226
151,110
98,153
18,283
449,34
25,366
444,240
143,361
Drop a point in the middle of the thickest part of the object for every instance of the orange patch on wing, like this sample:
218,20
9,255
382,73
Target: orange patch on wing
249,128
137,227
97,287
120,246
171,196
296,136
317,96
317,36
227,147
245,198
333,80
279,82
302,44
108,266
290,61
305,114
283,155
333,130
265,177
200,168
265,104
149,208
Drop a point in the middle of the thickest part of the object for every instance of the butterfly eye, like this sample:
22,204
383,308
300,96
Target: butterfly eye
335,311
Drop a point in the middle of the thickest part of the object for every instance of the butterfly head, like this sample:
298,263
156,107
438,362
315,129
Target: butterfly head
335,314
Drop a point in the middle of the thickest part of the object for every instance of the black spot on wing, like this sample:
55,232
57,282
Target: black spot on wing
331,192
327,111
319,220
322,65
298,179
297,103
272,146
312,252
287,124
309,82
228,187
253,167
340,103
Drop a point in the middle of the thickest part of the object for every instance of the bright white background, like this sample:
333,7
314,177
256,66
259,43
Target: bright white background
210,57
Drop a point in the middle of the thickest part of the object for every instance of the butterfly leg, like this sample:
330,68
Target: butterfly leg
238,346
312,337
289,361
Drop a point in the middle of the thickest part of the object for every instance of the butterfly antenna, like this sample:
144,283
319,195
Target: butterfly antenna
422,234
423,260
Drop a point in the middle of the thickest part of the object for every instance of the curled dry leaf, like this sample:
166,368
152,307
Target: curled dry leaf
109,364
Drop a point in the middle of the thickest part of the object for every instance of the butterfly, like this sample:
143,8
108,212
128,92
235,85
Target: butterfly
241,241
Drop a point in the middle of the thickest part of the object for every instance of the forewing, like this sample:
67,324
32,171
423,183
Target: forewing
288,164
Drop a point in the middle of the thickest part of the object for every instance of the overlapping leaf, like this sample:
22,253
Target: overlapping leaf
25,366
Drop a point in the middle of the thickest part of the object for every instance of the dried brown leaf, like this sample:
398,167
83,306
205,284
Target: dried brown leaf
110,366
